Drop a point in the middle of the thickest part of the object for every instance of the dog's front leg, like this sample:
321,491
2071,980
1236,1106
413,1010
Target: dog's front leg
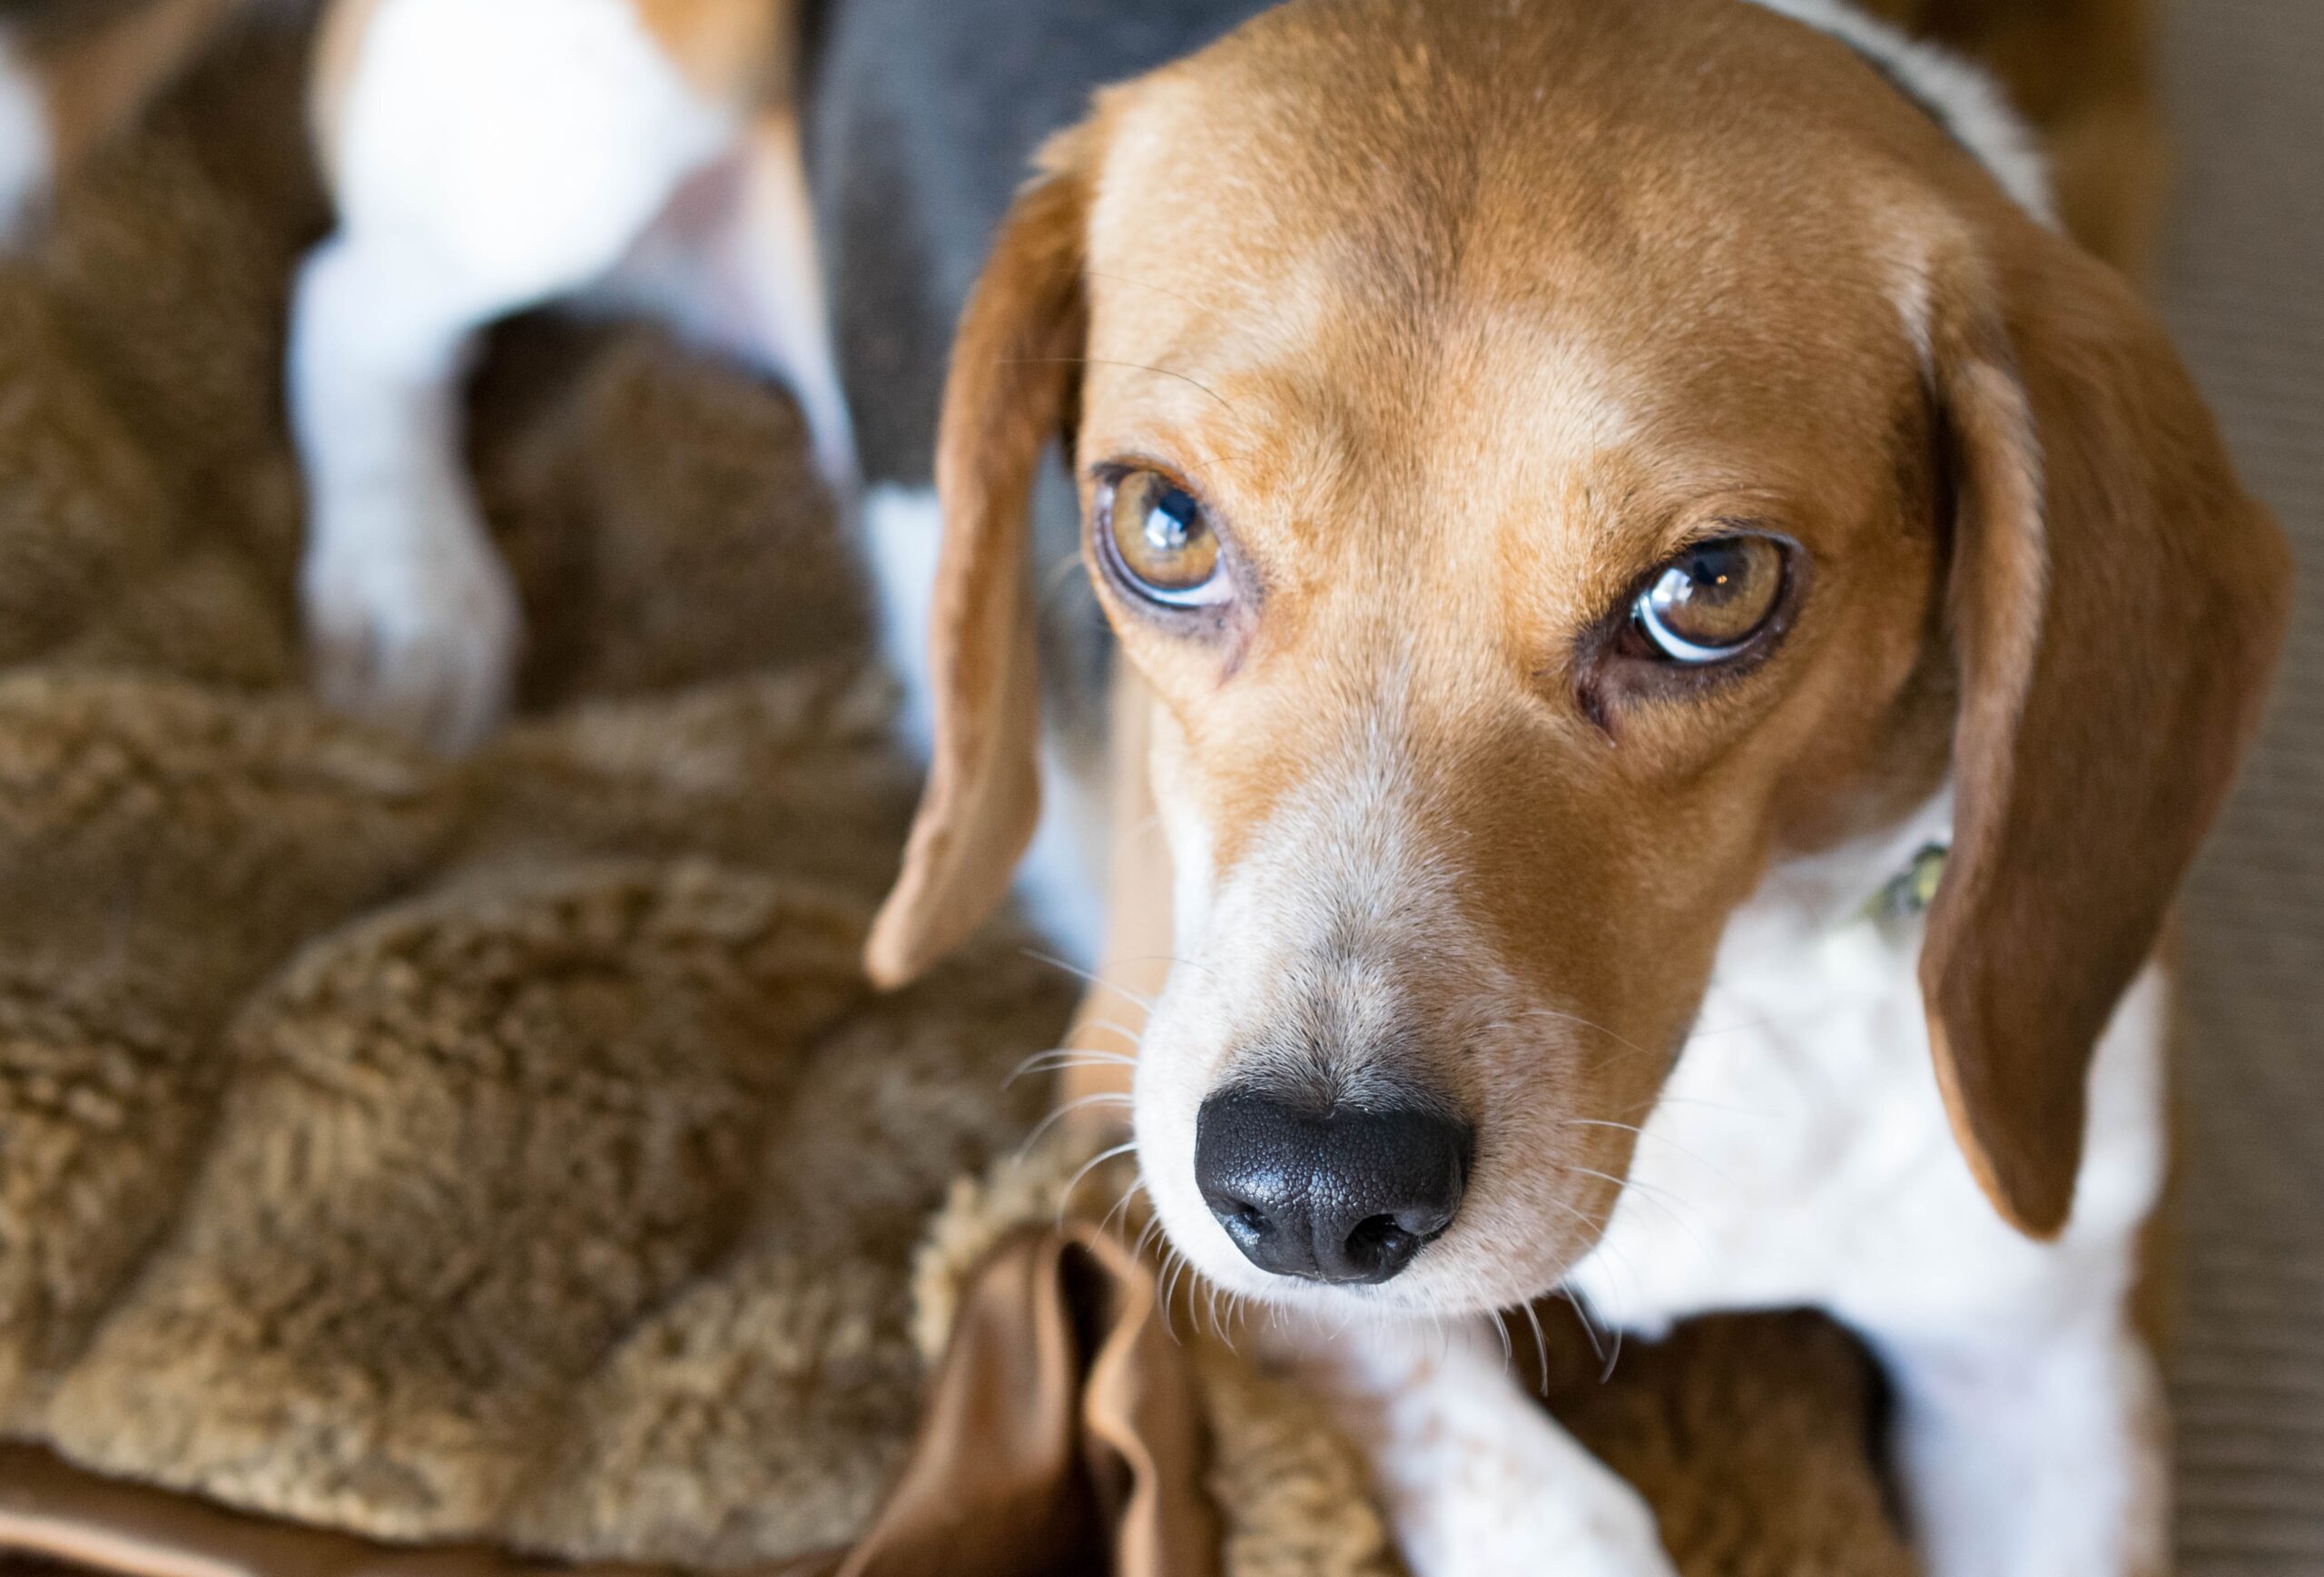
1477,1478
2043,1458
482,159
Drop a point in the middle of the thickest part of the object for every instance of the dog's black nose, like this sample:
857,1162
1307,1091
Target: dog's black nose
1345,1196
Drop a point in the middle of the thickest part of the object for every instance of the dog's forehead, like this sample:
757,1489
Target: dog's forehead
1389,212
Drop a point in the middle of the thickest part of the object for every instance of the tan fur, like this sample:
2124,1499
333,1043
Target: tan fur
730,49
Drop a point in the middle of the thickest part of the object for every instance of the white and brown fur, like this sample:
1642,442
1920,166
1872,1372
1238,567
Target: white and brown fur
1948,1131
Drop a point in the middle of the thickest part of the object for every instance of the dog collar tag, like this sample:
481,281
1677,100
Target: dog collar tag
1911,889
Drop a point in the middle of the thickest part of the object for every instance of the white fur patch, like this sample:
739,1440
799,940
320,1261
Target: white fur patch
1972,106
1800,1156
2037,1456
1477,1478
530,142
26,153
490,157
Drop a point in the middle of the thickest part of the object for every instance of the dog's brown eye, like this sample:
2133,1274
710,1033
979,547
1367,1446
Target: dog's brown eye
1706,604
1158,538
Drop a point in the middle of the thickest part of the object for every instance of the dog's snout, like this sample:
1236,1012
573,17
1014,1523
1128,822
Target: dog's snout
1347,1196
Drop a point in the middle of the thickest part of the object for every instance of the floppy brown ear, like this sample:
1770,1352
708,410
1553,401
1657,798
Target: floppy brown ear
2116,604
1014,358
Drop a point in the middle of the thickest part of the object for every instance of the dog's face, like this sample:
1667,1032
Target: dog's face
1547,462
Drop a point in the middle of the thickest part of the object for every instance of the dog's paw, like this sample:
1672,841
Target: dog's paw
415,629
1525,1501
1476,1477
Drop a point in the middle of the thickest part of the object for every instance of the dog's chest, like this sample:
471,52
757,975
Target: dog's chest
1800,1153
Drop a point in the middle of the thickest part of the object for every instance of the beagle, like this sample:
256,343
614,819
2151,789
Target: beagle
1671,642
1678,641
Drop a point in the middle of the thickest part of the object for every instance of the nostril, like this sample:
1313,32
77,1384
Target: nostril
1379,1244
1342,1196
1244,1219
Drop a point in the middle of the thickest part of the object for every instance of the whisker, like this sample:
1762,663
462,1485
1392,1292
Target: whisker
1102,361
1146,285
1061,1057
1654,1103
1769,1022
1080,973
1596,1347
1103,1098
1508,1347
1588,1328
1136,1187
1179,1266
1661,1198
1659,1139
1541,1347
1134,1037
1173,959
1576,1019
1087,1167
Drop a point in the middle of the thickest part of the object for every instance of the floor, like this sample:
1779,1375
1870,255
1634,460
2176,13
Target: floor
2243,287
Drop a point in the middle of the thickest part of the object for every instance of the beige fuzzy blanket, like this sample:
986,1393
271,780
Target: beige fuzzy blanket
508,1153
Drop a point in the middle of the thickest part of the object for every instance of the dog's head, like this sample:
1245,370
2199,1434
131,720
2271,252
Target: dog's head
1549,462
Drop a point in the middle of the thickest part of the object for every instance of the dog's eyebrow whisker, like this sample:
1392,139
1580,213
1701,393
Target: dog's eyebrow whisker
1079,972
1147,285
1224,403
